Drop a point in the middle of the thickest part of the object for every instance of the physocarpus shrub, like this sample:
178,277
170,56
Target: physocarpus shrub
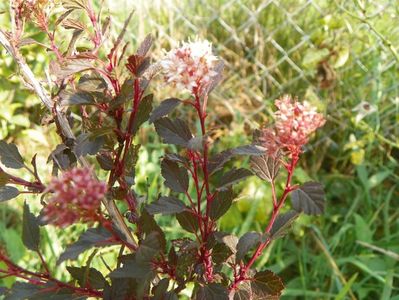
108,92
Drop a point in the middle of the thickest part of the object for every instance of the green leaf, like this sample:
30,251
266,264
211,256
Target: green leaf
10,156
143,112
166,206
309,198
282,223
212,291
88,276
188,221
93,237
30,230
265,167
313,56
246,243
164,109
221,204
232,177
85,145
378,178
8,192
132,269
173,132
266,284
176,178
362,229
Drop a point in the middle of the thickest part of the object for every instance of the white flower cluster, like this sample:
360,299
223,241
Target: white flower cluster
191,66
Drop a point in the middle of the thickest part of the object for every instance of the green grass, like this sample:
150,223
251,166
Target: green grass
341,255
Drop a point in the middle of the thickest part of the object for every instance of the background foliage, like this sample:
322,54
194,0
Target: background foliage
341,56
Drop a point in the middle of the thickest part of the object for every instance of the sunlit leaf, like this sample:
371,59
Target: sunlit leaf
265,167
10,157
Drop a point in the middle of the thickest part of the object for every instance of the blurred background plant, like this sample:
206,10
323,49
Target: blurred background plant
340,55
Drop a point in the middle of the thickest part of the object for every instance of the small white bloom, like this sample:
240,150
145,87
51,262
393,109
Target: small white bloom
191,66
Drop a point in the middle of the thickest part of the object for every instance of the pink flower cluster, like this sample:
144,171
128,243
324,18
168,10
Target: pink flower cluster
76,196
295,122
191,66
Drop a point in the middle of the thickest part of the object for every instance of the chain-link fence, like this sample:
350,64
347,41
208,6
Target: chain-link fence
335,53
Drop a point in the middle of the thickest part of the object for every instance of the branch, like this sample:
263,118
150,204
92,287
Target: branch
64,125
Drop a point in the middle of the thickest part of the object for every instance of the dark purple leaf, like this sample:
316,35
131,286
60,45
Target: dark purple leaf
266,284
176,178
143,112
10,157
282,223
166,206
8,193
232,177
145,46
85,145
132,269
211,291
188,221
76,98
86,275
126,93
93,237
248,150
246,243
30,230
164,109
221,204
105,161
160,289
309,198
243,291
148,248
265,167
148,225
173,132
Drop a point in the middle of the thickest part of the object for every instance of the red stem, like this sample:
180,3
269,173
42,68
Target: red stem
276,209
42,279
